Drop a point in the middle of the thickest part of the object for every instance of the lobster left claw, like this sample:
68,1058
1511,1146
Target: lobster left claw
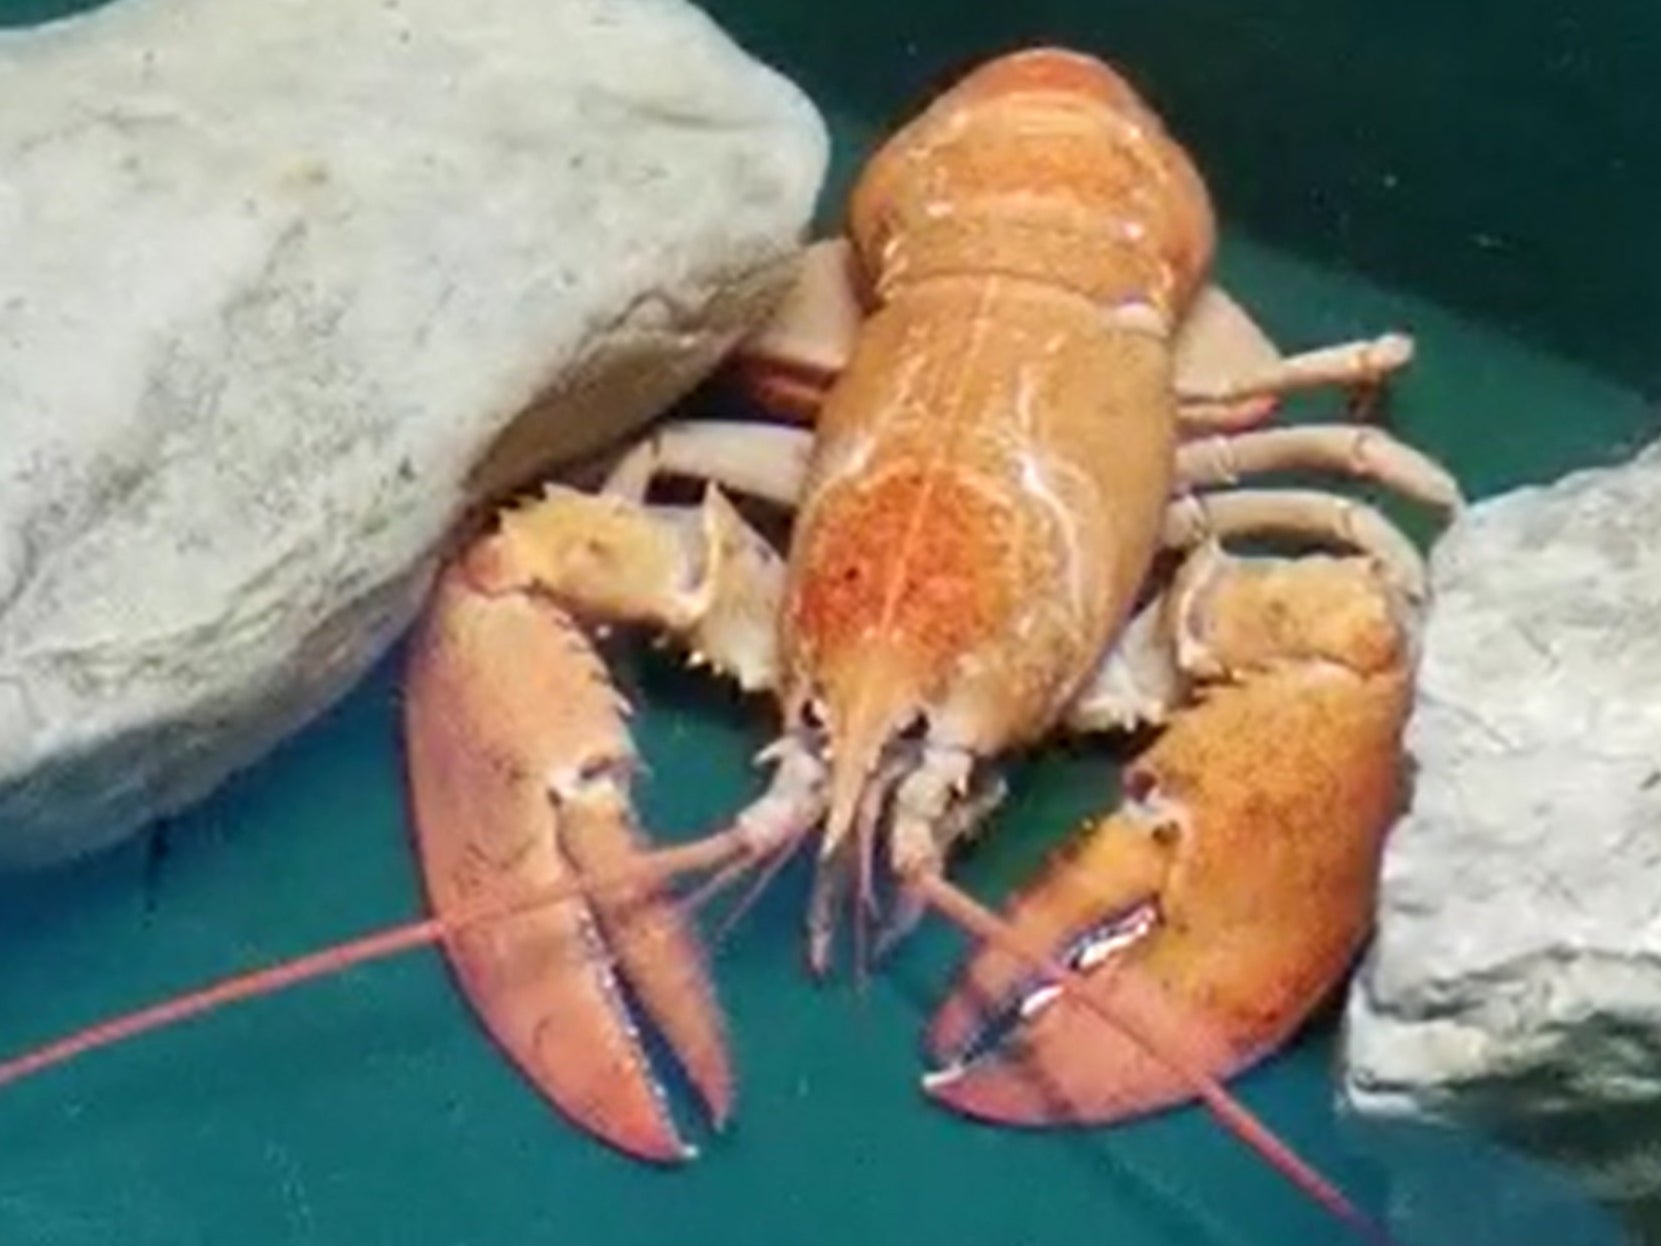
1235,883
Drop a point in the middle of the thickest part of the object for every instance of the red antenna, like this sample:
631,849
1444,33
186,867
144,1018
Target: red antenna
1146,1024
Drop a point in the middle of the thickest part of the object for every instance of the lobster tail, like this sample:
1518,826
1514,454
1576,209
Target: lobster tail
1043,165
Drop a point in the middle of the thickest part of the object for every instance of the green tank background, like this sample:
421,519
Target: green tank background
1499,158
1485,174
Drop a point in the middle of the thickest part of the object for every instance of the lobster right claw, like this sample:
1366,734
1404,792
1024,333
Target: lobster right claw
1225,898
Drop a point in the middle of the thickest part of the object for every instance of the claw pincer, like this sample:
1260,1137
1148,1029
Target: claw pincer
1237,877
519,764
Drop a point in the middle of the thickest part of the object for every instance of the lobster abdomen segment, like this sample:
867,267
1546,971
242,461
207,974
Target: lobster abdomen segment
1044,165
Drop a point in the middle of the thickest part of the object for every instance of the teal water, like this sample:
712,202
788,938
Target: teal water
371,1109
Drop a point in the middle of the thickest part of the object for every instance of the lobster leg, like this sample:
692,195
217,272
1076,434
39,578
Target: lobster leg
1229,372
791,360
1360,363
770,462
1237,876
1365,452
698,573
1216,342
1200,518
1148,671
1139,682
766,461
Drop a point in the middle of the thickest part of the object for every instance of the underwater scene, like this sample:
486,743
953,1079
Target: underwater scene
749,623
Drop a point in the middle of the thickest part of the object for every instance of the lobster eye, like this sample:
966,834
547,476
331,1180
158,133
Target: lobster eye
813,716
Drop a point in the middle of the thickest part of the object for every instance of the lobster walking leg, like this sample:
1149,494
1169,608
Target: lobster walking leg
1349,363
1139,682
1369,453
1217,341
766,461
1202,518
791,360
1229,374
770,462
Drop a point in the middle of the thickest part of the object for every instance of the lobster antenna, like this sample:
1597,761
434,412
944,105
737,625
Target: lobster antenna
714,850
1157,1036
763,876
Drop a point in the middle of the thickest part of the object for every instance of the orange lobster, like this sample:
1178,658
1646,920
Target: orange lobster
999,534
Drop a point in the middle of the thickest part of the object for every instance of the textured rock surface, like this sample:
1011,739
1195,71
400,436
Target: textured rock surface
1516,977
284,284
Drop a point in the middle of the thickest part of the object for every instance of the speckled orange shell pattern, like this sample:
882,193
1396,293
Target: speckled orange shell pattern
992,466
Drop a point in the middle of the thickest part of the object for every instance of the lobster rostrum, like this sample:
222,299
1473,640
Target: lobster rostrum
1011,395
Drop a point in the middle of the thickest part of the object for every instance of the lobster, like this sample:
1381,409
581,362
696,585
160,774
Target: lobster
1009,394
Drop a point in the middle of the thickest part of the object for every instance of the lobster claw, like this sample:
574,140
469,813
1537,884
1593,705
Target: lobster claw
1234,885
519,763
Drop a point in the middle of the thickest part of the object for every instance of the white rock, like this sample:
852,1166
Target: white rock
276,277
1516,977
